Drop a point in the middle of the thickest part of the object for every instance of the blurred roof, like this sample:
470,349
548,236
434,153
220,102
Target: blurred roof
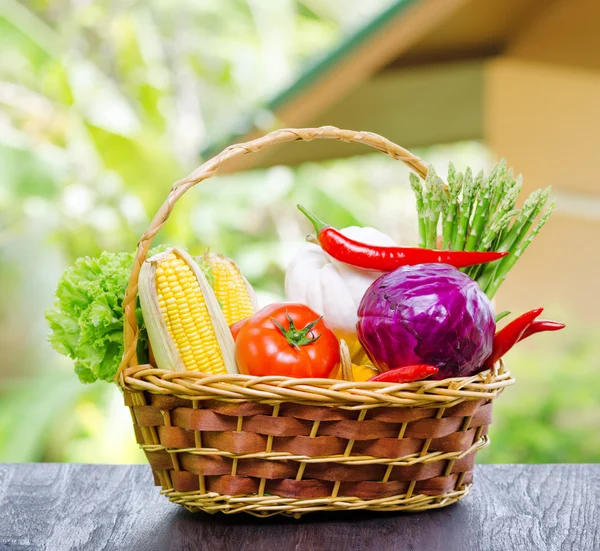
415,73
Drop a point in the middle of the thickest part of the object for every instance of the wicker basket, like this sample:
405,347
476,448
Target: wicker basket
279,445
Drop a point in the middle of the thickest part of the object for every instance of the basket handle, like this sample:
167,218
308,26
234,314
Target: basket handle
208,169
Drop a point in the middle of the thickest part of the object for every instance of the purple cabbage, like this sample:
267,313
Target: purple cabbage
429,313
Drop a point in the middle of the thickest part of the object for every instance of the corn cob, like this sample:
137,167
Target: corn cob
185,325
235,295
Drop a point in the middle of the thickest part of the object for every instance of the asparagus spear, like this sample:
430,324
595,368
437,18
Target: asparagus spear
433,196
509,261
483,210
516,234
531,208
415,183
501,219
501,185
444,208
457,211
500,224
469,192
450,212
504,196
512,193
483,274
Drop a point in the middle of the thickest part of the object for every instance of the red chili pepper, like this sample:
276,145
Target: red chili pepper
387,259
510,335
406,374
539,326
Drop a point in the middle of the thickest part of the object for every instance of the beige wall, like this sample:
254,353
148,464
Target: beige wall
545,120
562,32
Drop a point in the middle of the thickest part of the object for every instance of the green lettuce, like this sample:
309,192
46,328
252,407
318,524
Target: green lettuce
86,320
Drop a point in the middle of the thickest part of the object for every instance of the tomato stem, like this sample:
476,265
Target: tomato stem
297,337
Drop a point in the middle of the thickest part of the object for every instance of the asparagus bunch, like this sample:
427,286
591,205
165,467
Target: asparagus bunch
480,214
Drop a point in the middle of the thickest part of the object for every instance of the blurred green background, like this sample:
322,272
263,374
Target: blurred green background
103,105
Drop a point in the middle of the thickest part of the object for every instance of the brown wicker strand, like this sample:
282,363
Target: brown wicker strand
198,445
388,471
193,385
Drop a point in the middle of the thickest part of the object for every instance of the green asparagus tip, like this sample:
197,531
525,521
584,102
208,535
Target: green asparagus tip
316,222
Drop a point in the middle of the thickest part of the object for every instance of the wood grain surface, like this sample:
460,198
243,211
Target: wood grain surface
56,507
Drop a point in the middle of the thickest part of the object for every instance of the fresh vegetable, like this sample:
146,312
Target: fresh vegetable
345,362
432,314
540,326
186,327
86,320
235,295
388,258
235,327
332,288
361,373
406,374
479,214
499,275
517,330
502,315
352,372
287,339
510,335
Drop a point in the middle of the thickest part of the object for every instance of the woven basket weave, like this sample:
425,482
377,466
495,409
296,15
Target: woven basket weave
279,445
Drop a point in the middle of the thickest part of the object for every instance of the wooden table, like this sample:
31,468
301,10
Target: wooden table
57,507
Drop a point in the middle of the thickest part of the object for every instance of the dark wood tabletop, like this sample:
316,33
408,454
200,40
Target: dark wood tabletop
57,507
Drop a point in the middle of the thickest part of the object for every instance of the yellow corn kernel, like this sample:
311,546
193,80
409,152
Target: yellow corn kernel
235,295
186,315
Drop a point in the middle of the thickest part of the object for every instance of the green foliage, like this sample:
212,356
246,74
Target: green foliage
551,414
87,317
28,411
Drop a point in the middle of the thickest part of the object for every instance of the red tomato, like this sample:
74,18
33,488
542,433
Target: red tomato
286,338
235,327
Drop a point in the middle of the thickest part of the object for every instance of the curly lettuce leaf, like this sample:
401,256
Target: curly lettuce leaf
86,320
